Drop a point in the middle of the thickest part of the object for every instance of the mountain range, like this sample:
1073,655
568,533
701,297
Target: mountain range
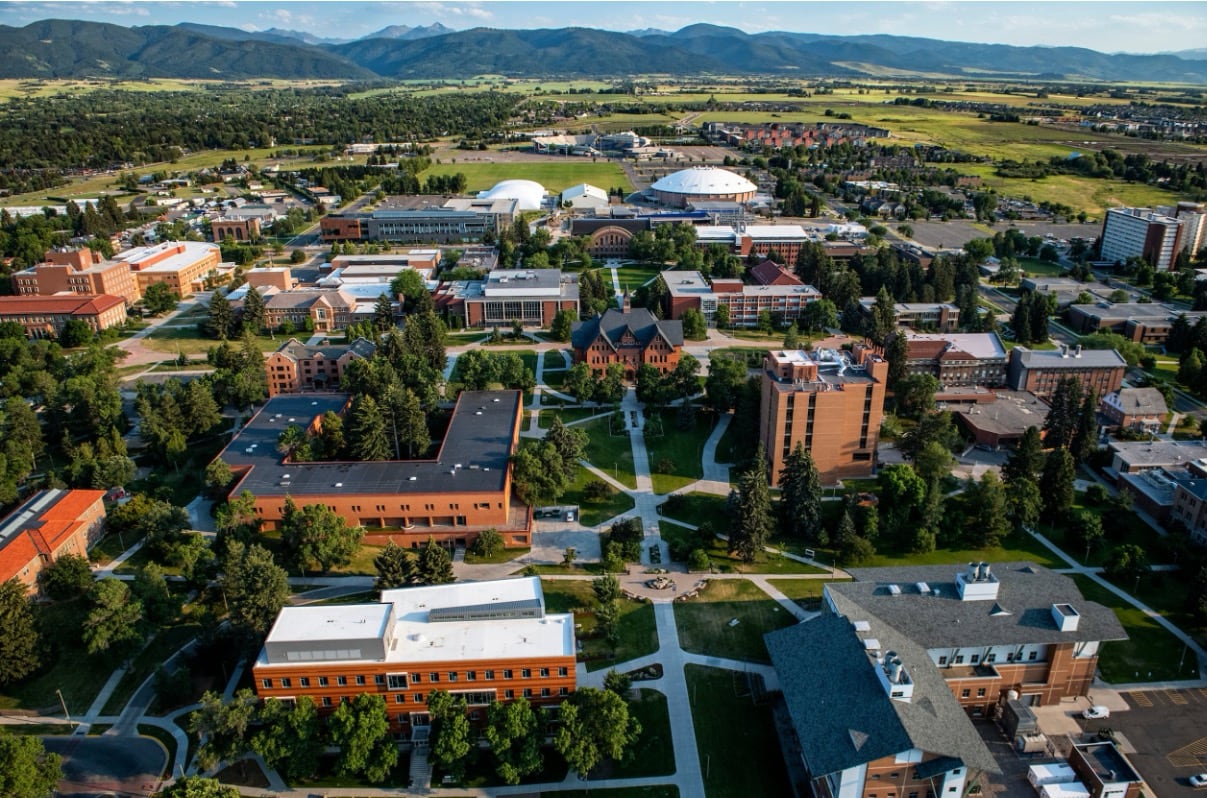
77,49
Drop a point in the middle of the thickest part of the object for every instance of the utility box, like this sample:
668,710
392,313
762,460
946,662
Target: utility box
1018,719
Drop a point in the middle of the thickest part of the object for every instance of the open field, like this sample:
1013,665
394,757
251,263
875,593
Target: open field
1092,195
638,635
552,173
728,619
173,340
34,87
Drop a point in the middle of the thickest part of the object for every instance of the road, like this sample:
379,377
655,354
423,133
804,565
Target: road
108,764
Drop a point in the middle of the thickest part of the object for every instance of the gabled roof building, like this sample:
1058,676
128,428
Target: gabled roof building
49,525
301,367
632,337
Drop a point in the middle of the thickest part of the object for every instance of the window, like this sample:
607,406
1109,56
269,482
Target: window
563,691
980,693
326,700
471,676
975,659
1032,655
400,699
544,673
991,657
452,676
433,677
342,681
527,692
416,678
266,683
942,660
418,697
397,681
304,681
964,693
959,659
322,681
526,673
286,681
490,675
561,671
379,679
544,692
509,693
507,673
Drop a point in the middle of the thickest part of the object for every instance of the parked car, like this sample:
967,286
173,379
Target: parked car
1096,712
1198,780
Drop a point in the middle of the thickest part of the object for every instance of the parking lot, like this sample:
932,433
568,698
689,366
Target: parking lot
1164,734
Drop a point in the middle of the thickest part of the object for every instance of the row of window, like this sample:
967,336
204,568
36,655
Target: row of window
400,681
991,657
473,699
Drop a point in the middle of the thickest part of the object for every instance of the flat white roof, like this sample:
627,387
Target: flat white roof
765,231
979,345
193,252
683,283
415,638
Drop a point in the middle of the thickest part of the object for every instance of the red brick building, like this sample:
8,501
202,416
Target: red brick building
79,272
47,526
632,338
1040,371
45,316
484,641
300,367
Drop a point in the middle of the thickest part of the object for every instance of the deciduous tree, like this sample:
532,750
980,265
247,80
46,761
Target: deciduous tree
595,724
450,731
26,770
513,731
361,730
315,535
254,586
67,577
223,726
19,645
114,620
197,787
289,737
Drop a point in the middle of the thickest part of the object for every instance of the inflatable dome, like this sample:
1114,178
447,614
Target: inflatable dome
702,183
529,193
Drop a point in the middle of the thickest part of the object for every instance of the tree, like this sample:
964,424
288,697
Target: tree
800,496
1085,436
852,549
902,495
113,621
223,726
317,535
1063,417
67,577
1023,503
395,568
1128,561
821,314
221,318
435,566
254,586
1086,529
367,431
896,352
26,770
289,737
724,383
408,285
539,474
150,586
75,332
752,522
594,724
449,735
383,313
514,733
1027,458
488,543
563,322
1057,481
579,382
19,645
986,501
159,298
695,328
915,395
722,317
570,442
617,682
606,589
884,317
361,730
197,787
254,312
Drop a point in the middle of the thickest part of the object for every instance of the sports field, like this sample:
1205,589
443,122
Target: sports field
555,174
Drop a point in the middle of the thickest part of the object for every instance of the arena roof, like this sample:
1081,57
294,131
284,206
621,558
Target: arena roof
528,193
707,180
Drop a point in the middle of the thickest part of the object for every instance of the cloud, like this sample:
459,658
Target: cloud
455,10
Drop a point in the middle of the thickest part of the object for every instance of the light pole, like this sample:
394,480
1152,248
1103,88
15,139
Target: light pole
64,703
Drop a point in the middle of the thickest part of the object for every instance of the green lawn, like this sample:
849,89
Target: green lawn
556,174
676,456
695,508
70,669
569,415
161,647
654,754
634,276
1121,527
1035,266
738,734
595,513
1014,549
500,556
706,622
681,539
610,453
1167,593
1150,654
806,592
174,340
638,634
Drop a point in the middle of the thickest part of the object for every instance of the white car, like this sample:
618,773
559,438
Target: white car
1198,780
1096,712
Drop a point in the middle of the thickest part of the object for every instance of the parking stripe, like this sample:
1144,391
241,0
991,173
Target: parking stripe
1190,756
1176,697
1140,699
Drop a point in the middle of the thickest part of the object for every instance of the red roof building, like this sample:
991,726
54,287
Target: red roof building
44,316
47,526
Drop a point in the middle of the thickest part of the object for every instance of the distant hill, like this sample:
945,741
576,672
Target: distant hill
61,48
408,33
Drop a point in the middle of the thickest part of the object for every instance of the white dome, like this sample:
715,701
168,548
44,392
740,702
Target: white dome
528,192
704,180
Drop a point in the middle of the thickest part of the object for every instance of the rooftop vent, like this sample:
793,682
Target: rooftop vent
894,590
1066,617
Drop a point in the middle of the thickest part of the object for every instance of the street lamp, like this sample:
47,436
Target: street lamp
64,703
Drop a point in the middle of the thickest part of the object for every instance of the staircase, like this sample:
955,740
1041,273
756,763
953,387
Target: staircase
421,769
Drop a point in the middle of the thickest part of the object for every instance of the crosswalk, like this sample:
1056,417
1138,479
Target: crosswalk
1190,756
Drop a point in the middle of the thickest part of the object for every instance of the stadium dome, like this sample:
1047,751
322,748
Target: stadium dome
702,183
528,192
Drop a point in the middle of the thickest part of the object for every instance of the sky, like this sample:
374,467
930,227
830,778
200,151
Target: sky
1134,27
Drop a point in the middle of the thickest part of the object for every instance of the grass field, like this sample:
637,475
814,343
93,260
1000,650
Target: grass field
1092,195
676,456
681,539
555,175
738,734
695,508
1015,549
706,623
638,633
1150,653
173,340
610,453
569,415
595,513
806,592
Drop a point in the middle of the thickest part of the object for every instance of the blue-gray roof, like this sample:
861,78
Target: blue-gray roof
613,324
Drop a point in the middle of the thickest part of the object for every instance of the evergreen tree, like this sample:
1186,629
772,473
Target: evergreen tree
253,311
383,314
367,431
1179,336
1085,437
435,566
1027,459
1059,474
1020,321
408,422
852,549
1040,310
884,317
222,318
800,495
395,568
986,502
896,352
1062,421
19,645
751,524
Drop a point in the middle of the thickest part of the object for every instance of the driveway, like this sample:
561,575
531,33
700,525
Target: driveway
125,766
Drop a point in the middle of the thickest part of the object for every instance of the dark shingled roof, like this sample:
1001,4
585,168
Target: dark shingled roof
613,324
1027,591
842,713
